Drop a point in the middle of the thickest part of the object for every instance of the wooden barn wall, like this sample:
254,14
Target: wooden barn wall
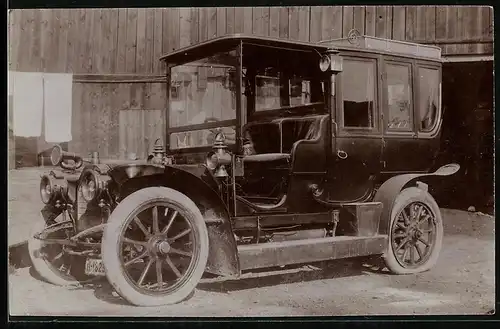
117,119
122,41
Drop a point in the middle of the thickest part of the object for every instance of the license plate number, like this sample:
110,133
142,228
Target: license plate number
94,267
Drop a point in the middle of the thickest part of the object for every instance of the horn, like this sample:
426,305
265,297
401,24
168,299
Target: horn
58,157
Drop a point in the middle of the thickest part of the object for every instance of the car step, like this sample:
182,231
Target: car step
309,250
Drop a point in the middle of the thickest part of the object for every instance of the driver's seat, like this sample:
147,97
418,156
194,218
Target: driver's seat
292,132
304,140
308,154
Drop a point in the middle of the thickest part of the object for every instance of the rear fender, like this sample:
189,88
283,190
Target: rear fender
223,254
391,188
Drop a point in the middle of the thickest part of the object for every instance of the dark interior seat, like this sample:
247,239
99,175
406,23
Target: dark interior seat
297,130
275,141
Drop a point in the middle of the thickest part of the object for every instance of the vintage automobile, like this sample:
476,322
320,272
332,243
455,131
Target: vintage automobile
275,153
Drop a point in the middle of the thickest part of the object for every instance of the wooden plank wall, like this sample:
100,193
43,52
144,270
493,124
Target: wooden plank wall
123,118
130,41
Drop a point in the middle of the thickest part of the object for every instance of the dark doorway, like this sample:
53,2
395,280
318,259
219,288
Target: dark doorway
467,136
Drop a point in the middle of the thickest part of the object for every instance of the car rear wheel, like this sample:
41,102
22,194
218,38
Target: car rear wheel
415,233
155,247
52,263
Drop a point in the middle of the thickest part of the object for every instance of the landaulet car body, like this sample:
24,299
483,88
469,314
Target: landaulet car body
275,152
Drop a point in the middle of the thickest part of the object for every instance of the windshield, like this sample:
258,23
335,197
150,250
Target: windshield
203,92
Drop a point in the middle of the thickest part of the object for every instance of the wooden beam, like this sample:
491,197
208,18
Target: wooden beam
118,78
315,24
455,41
274,21
467,58
284,24
359,19
347,20
158,66
370,20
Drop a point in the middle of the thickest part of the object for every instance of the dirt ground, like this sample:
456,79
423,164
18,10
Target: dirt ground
463,282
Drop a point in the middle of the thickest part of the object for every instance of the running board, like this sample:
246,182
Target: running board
309,250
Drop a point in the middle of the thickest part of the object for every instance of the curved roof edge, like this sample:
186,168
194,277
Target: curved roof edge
396,47
263,40
364,43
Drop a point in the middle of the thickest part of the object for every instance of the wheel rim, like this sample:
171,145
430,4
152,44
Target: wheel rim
158,248
413,235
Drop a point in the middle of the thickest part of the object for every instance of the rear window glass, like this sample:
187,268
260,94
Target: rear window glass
429,86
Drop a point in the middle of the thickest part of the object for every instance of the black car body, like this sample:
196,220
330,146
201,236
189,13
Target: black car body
311,152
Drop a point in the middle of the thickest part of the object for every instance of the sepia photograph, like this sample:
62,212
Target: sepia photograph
251,161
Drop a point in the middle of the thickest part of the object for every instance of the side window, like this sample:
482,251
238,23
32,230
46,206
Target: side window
428,96
358,90
271,91
300,92
267,92
399,97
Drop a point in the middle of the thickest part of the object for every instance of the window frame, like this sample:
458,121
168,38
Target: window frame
287,94
261,76
408,63
433,131
238,122
344,130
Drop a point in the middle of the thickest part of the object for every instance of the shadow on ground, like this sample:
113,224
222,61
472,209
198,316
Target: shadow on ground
103,290
456,223
294,274
19,256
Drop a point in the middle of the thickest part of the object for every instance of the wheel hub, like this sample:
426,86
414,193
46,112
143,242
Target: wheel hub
163,247
414,234
158,245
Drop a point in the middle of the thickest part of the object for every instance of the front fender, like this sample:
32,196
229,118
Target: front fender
391,188
197,183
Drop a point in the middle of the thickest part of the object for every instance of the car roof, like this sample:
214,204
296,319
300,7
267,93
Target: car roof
361,44
233,39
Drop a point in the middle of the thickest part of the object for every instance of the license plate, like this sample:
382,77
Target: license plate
94,267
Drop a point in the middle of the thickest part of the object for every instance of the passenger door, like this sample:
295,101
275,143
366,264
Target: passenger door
428,112
357,146
399,134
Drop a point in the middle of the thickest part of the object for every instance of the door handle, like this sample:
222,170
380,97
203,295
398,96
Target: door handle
342,154
335,130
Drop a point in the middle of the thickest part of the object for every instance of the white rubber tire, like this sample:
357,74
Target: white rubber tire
115,226
43,268
407,196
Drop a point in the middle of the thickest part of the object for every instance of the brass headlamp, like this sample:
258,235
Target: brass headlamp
51,188
92,184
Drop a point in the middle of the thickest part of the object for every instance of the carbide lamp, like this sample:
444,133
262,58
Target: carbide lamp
89,185
46,191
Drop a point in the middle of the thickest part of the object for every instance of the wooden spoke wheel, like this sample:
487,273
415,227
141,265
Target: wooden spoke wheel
416,233
155,247
52,263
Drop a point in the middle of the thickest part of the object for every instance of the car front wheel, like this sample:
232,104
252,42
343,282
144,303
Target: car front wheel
52,262
415,234
155,247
